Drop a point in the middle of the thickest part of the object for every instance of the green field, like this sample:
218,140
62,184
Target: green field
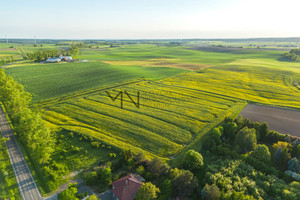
45,81
176,104
183,94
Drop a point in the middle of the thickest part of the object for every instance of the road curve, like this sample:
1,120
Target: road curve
27,186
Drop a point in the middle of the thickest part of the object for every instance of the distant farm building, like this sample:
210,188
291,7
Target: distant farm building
125,188
65,58
53,60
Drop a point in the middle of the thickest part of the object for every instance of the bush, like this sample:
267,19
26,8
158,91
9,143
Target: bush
95,144
140,170
112,155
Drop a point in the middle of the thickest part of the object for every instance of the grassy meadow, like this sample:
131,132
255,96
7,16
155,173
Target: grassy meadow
183,94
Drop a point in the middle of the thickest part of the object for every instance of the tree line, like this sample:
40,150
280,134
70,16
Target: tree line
42,54
7,60
28,123
293,55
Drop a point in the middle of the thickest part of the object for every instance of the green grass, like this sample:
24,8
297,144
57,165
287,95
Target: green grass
8,184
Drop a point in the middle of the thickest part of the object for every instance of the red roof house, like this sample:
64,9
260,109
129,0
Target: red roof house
126,187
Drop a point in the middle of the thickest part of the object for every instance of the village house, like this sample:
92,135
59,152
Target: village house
125,188
65,58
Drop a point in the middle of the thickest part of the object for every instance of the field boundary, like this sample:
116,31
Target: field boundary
233,112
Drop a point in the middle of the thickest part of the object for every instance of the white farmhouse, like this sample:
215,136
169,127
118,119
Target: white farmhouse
53,60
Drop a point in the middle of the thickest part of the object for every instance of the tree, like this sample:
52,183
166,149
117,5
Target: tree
294,165
185,183
157,167
2,142
246,139
105,175
140,157
28,124
283,145
213,138
126,154
93,197
298,151
147,191
70,193
281,157
262,153
140,170
230,129
211,192
192,160
263,130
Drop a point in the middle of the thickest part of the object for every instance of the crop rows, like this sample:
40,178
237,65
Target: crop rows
167,119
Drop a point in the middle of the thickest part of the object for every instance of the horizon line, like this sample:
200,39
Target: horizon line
235,38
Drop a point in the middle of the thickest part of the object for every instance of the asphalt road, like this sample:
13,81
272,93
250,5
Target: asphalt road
27,186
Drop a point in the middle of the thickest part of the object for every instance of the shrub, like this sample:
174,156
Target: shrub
71,134
140,170
112,155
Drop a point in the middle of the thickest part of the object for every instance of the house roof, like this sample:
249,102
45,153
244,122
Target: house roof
126,187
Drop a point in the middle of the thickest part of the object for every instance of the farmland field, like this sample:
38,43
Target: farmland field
183,93
280,120
176,104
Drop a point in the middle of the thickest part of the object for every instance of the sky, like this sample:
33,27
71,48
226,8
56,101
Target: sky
148,19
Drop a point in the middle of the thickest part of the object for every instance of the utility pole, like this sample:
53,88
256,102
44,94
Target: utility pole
6,39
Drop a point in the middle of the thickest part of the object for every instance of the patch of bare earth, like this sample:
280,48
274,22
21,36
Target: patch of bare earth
281,120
